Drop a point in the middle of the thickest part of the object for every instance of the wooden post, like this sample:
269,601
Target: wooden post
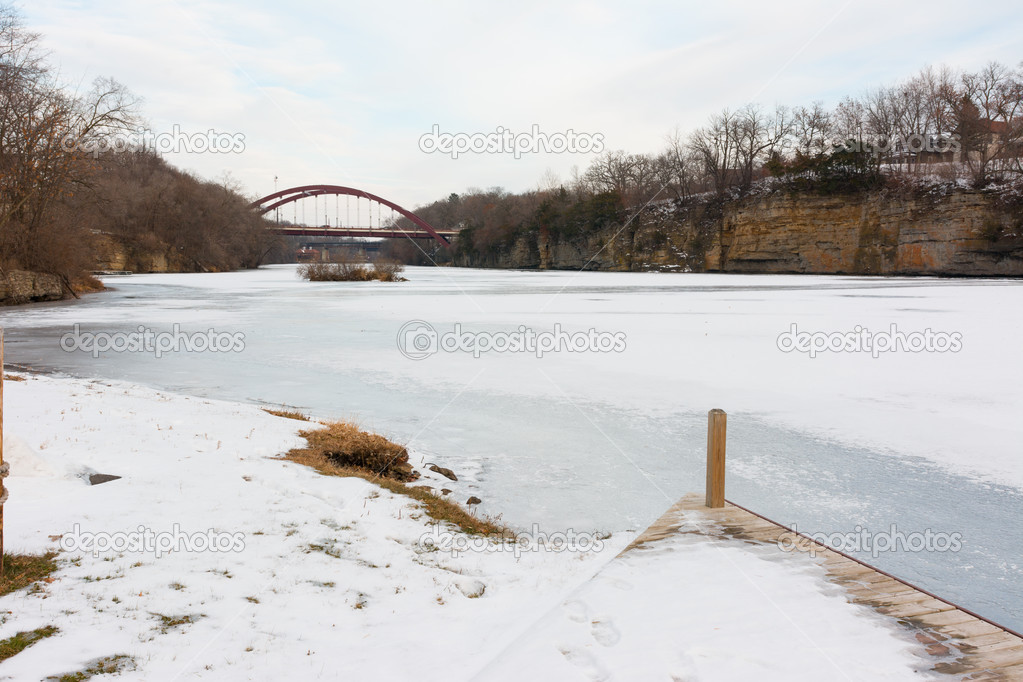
716,423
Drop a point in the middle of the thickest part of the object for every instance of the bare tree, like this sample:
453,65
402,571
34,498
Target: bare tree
678,167
44,133
716,146
812,129
883,109
759,136
987,109
848,121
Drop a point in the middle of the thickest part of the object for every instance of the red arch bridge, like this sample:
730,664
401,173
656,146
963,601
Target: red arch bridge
344,226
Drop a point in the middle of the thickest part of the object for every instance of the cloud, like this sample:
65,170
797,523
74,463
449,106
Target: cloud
342,93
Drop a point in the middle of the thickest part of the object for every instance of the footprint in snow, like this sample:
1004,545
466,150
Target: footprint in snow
576,611
586,662
605,632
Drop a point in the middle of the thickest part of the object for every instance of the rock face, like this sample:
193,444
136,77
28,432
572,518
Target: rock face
959,234
962,233
19,286
115,254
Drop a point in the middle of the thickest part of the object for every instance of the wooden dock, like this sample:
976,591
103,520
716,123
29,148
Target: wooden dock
961,644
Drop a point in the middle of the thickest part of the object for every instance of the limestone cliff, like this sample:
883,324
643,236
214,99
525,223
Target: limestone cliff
149,256
19,286
963,233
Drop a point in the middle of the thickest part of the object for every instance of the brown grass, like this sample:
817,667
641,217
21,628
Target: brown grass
287,414
346,445
345,271
12,377
21,570
86,284
110,665
338,436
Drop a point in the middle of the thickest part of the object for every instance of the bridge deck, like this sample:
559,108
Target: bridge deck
357,232
959,643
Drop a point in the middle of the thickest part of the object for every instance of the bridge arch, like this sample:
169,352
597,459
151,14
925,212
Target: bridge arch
292,194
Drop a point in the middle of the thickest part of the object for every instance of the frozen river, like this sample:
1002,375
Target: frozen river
843,442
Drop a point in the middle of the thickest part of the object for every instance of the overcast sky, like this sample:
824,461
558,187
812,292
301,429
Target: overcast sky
341,93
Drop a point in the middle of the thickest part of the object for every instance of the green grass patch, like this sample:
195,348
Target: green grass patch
22,570
23,640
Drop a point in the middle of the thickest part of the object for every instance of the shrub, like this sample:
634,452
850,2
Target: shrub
345,445
347,271
840,172
388,271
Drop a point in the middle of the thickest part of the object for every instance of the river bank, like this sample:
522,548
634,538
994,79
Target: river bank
305,562
18,287
871,441
316,577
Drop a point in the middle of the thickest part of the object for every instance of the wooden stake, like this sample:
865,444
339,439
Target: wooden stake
716,423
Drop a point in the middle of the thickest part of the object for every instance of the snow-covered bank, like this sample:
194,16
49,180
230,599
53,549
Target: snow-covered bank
332,581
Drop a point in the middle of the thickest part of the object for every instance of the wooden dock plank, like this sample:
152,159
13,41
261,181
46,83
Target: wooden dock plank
960,643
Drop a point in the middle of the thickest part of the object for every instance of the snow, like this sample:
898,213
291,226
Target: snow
334,582
607,441
709,612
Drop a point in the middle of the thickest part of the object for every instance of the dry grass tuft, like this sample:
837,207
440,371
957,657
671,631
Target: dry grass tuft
346,445
110,665
287,414
87,284
340,436
13,377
